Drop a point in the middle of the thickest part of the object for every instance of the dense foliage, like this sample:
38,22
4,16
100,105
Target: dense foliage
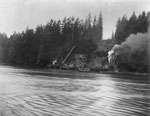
51,41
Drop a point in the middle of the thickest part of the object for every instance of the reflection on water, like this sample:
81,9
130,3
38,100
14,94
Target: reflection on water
33,93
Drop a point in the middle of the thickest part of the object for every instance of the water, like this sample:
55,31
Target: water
28,92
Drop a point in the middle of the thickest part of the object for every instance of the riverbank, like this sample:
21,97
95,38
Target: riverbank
88,75
73,74
108,72
46,70
126,73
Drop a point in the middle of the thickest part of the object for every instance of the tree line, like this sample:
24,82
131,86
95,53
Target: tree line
52,41
132,25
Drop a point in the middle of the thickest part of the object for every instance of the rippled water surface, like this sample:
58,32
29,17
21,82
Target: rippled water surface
34,92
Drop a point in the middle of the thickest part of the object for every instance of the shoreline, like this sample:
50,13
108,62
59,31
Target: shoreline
126,73
84,72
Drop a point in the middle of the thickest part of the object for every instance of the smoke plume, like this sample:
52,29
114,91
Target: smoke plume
135,51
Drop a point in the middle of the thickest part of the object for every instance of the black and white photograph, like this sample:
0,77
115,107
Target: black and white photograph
74,57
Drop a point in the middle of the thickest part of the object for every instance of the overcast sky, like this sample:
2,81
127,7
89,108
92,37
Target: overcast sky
16,15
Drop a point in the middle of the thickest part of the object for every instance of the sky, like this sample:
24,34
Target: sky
17,15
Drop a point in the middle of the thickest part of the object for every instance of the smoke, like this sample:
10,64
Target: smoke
115,51
138,42
135,50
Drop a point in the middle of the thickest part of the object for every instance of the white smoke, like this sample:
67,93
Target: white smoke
115,51
135,43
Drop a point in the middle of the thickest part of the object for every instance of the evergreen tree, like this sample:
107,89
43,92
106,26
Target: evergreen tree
121,30
42,56
132,24
100,27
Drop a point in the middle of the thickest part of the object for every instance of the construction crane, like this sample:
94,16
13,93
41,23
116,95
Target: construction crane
55,62
68,54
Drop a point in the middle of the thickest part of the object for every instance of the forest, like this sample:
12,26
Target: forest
45,43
